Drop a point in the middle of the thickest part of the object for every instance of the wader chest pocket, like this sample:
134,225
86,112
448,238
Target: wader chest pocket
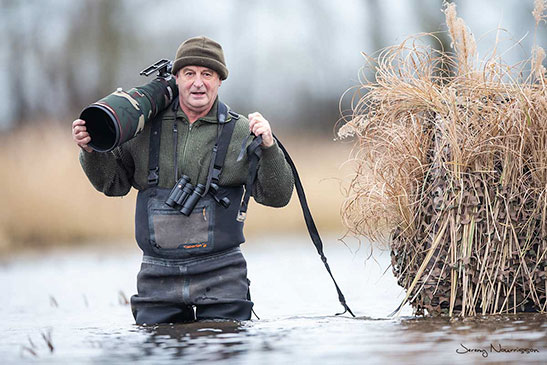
170,230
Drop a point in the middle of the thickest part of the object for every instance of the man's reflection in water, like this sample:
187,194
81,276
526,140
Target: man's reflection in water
211,340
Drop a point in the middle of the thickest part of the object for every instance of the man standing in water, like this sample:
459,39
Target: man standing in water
192,265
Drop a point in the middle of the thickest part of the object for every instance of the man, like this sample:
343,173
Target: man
192,260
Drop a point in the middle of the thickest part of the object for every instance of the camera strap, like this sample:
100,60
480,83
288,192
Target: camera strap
254,154
312,229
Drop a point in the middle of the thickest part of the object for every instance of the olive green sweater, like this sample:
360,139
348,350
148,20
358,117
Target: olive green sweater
114,173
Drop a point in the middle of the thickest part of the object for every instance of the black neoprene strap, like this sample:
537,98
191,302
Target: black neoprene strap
253,154
154,153
219,152
225,138
221,147
312,229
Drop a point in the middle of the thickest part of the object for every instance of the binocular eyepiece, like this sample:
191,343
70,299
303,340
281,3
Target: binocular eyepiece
225,202
192,200
184,196
180,193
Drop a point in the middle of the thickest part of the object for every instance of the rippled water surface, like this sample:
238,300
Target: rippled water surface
71,307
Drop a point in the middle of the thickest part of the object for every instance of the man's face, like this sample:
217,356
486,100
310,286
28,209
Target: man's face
198,88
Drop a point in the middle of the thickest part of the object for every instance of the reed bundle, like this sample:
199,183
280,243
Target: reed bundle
451,157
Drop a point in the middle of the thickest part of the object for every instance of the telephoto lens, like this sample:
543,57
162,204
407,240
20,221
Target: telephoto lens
191,202
121,116
175,195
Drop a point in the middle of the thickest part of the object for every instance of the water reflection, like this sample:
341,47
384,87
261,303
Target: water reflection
492,325
294,328
505,337
222,339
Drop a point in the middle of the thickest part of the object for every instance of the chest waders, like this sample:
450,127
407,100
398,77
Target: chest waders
211,227
191,254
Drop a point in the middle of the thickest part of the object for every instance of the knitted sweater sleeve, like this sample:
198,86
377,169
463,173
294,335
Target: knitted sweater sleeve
110,173
275,181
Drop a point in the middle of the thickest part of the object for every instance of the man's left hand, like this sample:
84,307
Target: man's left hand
261,127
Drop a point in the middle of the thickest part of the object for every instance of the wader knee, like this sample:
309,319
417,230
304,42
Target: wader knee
154,314
239,310
216,285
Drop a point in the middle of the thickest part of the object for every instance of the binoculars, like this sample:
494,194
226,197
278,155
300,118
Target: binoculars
121,116
184,196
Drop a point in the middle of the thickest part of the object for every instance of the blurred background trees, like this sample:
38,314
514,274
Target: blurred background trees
290,60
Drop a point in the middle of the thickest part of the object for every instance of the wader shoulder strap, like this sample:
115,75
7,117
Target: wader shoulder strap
254,152
154,153
220,150
224,139
312,229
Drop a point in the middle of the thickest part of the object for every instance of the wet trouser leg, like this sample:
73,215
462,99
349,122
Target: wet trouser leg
239,310
163,314
216,285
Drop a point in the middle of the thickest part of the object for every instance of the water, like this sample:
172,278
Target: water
71,307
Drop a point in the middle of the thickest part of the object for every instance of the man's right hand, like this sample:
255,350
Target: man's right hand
80,135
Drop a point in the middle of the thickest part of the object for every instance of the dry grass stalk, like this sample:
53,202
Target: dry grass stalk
539,11
463,41
454,164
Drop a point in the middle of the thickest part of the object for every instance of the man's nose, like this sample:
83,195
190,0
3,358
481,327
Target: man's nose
198,82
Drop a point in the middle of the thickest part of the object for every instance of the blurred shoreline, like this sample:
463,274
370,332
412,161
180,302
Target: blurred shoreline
50,203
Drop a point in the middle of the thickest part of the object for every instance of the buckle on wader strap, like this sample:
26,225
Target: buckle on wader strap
153,176
254,152
154,153
220,150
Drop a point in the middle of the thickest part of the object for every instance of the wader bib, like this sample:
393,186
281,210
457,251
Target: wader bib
164,232
191,260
